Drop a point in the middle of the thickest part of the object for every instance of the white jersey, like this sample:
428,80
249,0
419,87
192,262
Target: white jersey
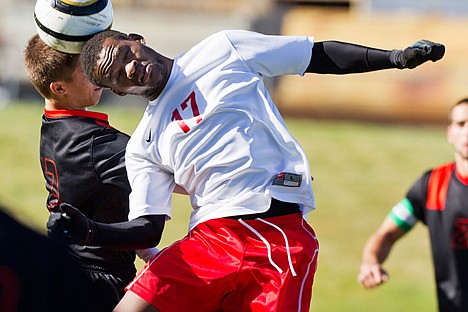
215,131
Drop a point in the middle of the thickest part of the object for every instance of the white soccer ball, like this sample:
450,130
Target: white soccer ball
66,25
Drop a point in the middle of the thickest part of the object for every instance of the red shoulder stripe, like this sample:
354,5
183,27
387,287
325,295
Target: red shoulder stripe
438,186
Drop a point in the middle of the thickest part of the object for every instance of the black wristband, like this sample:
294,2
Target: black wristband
379,59
91,233
395,56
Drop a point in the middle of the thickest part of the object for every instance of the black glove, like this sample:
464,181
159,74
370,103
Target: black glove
420,52
71,226
56,228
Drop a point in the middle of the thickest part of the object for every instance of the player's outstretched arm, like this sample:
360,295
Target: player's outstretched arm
335,57
376,252
74,226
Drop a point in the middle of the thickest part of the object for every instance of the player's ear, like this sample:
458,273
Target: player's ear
118,92
138,38
57,88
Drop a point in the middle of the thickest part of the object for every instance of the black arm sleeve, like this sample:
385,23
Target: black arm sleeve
140,233
334,57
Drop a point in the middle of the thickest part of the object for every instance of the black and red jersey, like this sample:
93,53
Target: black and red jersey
82,159
440,200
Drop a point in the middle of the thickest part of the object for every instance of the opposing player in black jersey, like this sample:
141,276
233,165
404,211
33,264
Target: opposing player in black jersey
82,159
440,200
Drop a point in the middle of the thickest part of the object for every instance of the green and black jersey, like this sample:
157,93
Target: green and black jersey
440,200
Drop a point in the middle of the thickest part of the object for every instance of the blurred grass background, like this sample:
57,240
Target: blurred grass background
361,170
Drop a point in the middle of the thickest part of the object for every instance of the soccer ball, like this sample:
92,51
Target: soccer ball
66,25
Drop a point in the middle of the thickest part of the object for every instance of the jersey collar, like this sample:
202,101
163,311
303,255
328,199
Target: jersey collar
463,180
77,113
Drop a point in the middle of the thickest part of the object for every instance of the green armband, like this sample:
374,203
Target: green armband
403,215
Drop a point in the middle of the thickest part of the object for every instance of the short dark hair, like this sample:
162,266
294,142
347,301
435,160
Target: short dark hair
44,64
92,49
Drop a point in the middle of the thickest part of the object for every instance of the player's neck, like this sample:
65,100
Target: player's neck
52,105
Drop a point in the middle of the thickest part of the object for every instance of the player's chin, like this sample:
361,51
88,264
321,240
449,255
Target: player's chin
98,93
464,150
96,98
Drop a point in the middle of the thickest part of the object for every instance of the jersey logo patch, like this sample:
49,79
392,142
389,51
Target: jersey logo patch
288,179
149,136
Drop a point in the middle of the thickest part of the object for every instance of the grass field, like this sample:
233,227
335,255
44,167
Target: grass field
360,171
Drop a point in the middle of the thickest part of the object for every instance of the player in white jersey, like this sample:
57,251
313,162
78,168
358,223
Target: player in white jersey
221,109
212,128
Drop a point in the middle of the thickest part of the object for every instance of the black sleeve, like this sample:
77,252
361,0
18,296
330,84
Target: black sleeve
334,57
417,196
140,233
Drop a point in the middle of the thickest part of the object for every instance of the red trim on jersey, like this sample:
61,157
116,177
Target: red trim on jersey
463,180
50,169
78,113
438,186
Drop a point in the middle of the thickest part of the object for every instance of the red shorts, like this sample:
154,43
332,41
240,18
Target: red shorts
231,265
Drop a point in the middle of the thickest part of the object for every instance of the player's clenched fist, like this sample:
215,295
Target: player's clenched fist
70,225
418,53
372,275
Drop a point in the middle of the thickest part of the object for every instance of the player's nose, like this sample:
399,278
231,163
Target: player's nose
130,69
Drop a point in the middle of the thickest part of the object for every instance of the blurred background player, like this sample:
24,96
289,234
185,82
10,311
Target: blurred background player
82,159
439,198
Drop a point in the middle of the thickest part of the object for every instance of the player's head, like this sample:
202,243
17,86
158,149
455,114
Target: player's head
45,65
57,76
457,130
124,64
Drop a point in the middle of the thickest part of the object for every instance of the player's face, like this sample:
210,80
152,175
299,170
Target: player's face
81,92
129,67
458,130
